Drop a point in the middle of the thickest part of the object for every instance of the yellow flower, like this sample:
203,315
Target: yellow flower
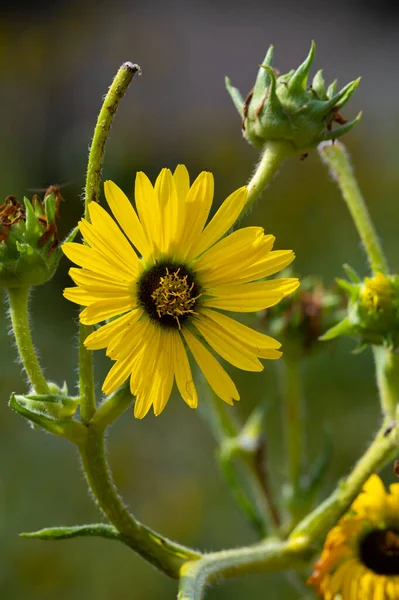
360,559
167,280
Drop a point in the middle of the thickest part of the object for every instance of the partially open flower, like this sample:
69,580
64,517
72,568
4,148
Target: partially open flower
167,283
360,559
373,310
284,108
29,252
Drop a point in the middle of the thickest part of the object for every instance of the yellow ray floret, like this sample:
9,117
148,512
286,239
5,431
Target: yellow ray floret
360,559
164,277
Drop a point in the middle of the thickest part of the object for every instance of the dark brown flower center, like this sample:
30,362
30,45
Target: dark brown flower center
379,551
169,294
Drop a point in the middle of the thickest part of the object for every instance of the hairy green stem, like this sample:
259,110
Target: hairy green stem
272,554
273,155
383,448
18,300
113,407
159,551
387,373
110,105
335,156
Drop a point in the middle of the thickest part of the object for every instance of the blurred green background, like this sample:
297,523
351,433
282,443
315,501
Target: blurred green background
56,62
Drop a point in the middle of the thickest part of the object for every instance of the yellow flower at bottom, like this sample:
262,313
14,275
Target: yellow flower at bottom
360,559
166,279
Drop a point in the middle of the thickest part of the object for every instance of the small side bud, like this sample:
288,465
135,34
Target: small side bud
299,321
372,315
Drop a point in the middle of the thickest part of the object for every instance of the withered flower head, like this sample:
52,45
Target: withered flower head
29,252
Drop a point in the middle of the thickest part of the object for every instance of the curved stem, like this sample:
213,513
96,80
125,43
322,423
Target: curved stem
113,407
271,160
159,551
269,555
18,299
273,554
96,156
383,448
336,157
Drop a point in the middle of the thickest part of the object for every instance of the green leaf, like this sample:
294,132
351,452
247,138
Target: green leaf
67,428
66,533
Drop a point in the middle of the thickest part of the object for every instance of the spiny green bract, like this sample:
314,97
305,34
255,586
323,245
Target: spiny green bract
284,108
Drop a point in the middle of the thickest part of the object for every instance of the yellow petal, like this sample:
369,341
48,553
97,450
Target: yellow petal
224,218
182,184
198,204
106,309
239,242
97,282
274,262
129,340
85,298
111,237
184,379
169,208
92,260
148,209
244,334
164,376
250,296
226,346
103,336
218,379
127,218
117,375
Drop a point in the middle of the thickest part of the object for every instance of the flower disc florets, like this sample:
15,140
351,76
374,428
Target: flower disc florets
168,294
284,108
29,253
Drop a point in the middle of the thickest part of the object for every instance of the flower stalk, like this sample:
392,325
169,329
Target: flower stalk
273,155
110,105
336,157
18,300
387,374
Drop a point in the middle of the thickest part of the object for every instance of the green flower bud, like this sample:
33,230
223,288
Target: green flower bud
373,310
51,412
284,108
299,320
29,253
